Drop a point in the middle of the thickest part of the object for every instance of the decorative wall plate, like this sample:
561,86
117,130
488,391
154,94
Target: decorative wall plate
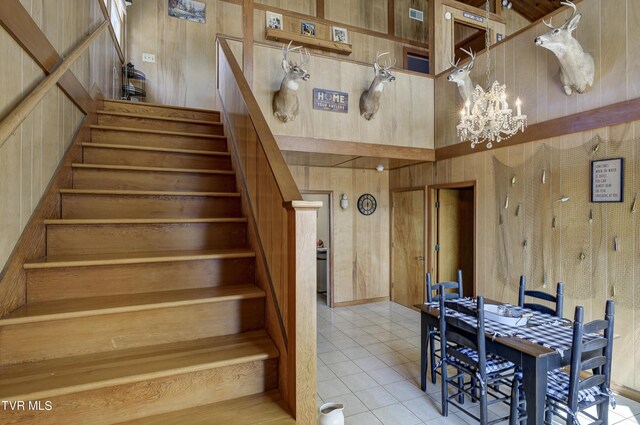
367,204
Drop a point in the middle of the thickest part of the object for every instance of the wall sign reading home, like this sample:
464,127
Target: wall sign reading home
607,180
329,100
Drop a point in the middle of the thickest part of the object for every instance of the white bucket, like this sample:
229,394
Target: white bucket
331,414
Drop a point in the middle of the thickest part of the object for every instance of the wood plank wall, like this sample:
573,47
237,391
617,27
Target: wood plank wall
405,117
360,243
369,14
607,31
307,7
409,28
30,157
185,68
588,282
515,21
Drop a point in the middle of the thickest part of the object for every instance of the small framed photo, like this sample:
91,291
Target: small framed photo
308,29
340,35
274,20
607,180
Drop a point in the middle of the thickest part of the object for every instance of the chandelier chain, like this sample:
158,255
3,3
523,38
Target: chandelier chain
486,47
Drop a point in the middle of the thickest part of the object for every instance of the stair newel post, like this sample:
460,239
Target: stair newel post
301,309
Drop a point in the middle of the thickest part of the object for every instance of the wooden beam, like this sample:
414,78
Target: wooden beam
314,43
320,9
606,116
391,18
247,47
340,147
15,19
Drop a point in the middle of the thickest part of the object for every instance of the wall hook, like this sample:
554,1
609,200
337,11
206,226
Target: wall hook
506,202
513,181
582,256
553,222
564,199
616,244
633,206
518,210
544,176
590,216
525,243
596,148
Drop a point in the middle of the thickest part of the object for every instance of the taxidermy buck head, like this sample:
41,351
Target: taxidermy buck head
370,98
461,77
285,100
576,66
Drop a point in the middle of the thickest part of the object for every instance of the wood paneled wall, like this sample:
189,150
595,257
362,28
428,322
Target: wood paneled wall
369,14
184,73
360,243
607,31
603,273
307,7
406,27
515,21
405,117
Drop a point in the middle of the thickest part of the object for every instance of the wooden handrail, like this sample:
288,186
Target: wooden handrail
13,120
286,185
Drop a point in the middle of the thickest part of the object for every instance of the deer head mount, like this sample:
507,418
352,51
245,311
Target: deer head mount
285,100
461,77
577,69
370,98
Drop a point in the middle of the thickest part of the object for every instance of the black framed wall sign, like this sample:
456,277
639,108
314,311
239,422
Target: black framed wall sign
607,180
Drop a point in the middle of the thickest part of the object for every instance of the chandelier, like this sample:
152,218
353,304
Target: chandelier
486,117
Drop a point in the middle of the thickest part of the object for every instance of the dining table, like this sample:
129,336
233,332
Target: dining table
544,344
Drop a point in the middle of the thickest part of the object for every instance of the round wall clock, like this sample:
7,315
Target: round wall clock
367,204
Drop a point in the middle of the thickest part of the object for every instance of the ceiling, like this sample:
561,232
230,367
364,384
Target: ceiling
532,10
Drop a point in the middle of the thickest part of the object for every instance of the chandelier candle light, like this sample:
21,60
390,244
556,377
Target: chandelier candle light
486,117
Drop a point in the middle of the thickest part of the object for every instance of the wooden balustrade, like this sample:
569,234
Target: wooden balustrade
282,230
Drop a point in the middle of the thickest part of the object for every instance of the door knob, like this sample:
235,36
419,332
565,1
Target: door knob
420,258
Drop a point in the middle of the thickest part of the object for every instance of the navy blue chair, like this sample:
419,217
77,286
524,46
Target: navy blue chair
569,393
464,349
432,295
558,299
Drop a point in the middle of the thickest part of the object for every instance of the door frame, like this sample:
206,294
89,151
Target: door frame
424,237
432,224
331,297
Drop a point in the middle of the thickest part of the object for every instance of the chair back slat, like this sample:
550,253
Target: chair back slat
591,382
594,344
595,326
558,299
593,363
540,308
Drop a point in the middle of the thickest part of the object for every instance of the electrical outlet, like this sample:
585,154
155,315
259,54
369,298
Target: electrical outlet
148,57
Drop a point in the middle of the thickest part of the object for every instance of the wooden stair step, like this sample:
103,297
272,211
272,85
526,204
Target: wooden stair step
135,258
85,307
84,203
107,236
135,120
56,329
59,283
157,138
126,177
156,109
105,388
259,409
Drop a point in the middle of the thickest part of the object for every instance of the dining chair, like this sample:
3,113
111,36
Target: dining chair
557,299
432,294
570,393
469,357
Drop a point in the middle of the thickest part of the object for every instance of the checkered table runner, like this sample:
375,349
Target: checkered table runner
544,329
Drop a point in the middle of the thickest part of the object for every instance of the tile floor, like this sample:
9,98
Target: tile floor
369,360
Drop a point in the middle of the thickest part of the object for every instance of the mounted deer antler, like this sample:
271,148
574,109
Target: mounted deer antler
285,101
370,98
461,77
577,69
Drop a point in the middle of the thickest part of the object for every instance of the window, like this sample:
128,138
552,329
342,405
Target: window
416,60
117,18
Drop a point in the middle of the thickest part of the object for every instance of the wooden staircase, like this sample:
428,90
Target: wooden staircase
145,309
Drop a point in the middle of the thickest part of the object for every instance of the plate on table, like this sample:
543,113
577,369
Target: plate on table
505,315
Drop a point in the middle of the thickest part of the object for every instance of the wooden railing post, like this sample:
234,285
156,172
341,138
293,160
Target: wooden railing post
302,235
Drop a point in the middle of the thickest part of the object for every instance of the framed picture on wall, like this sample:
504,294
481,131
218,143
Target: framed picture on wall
607,180
308,29
340,35
189,10
274,20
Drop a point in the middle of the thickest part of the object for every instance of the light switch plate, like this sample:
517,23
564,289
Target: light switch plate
148,57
